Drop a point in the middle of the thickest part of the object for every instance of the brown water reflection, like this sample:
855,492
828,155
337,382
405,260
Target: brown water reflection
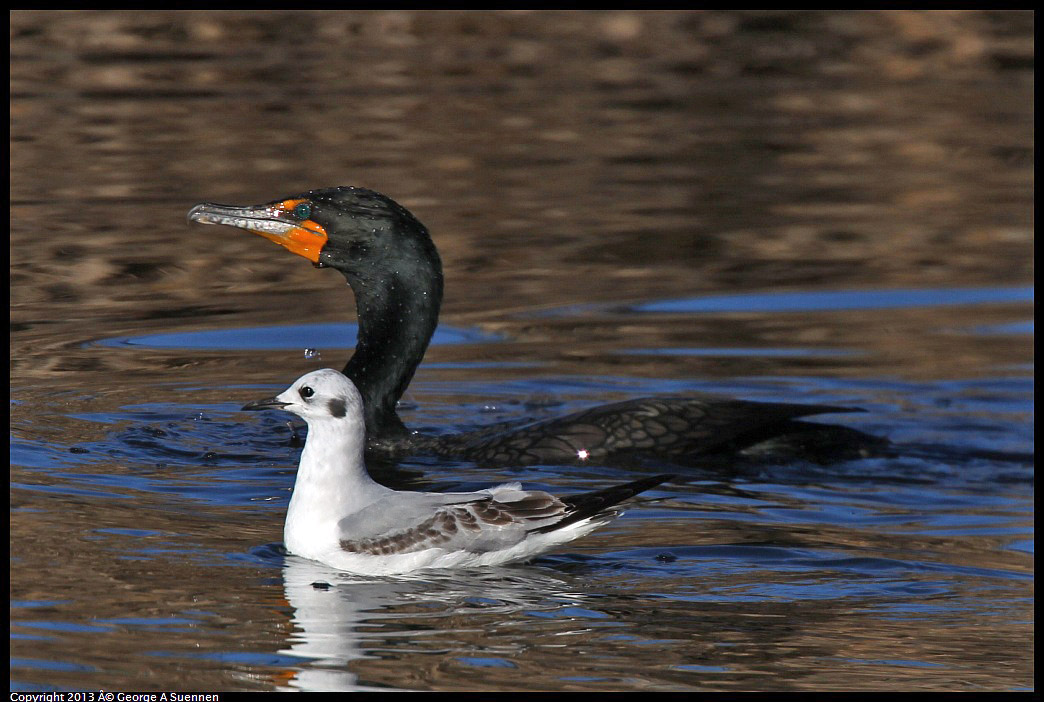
559,159
775,151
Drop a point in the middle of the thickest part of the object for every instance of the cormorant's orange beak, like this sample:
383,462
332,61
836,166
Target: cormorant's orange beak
274,221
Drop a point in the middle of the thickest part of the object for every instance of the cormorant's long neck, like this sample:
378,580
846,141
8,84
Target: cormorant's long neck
398,310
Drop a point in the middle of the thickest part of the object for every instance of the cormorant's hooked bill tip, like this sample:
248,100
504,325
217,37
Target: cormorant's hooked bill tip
194,212
208,213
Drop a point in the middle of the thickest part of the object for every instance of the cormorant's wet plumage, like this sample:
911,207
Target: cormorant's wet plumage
391,264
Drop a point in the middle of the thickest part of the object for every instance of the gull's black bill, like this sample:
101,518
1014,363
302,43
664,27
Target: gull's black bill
269,403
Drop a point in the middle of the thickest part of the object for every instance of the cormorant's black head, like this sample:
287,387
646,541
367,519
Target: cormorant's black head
360,232
389,260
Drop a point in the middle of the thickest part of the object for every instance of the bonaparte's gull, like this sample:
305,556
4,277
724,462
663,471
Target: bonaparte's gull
340,516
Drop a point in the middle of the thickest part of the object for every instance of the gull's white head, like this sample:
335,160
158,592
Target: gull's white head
320,396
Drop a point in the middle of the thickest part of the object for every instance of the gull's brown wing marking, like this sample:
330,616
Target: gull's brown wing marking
438,529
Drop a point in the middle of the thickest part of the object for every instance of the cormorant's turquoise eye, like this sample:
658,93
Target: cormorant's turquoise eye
303,211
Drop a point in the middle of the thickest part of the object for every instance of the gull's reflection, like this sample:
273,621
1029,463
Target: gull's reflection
339,617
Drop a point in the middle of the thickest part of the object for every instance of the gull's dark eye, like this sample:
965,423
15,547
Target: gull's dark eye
302,211
306,392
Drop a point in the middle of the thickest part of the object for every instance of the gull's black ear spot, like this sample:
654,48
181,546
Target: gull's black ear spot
337,408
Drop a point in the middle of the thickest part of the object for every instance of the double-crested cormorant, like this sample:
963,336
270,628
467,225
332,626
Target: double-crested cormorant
391,264
340,516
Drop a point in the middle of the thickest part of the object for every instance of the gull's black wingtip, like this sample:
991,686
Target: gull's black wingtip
645,483
617,493
589,504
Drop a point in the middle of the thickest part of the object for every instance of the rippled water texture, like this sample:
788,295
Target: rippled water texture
824,207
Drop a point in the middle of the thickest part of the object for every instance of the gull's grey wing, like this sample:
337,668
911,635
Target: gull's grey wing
477,522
